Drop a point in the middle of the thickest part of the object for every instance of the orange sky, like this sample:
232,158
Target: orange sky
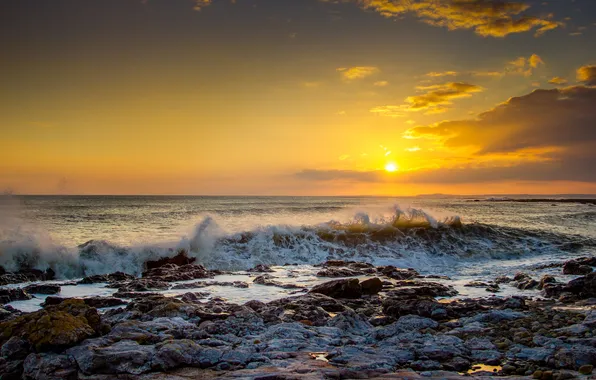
306,97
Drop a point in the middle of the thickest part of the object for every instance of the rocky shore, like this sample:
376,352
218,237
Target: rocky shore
362,322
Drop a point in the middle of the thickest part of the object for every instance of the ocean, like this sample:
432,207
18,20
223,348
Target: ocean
465,238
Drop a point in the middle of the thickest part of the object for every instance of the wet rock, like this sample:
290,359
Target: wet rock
524,281
261,268
546,279
50,367
10,295
371,285
398,274
26,275
514,303
413,289
204,284
586,369
346,288
15,348
425,307
584,287
134,295
339,272
194,297
172,272
108,278
575,267
139,285
180,259
42,289
267,280
552,290
55,327
575,356
503,280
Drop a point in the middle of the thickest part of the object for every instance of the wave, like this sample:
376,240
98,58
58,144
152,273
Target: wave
408,238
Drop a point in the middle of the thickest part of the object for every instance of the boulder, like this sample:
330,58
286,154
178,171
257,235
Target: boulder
98,302
50,367
42,289
584,287
109,278
171,272
180,259
10,295
261,268
575,267
346,288
55,327
371,285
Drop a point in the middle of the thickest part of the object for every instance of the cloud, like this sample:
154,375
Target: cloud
524,66
558,81
485,17
587,74
435,74
434,99
546,135
381,83
357,72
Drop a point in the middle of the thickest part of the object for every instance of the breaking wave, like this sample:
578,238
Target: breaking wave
408,238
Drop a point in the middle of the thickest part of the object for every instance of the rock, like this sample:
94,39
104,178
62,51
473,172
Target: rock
109,278
180,259
575,267
98,302
123,357
514,303
398,274
50,367
266,279
42,289
11,370
26,275
172,272
584,287
15,348
55,327
586,369
346,288
371,286
10,295
503,280
261,268
524,281
546,279
339,272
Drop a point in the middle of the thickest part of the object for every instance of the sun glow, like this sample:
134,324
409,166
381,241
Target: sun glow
391,167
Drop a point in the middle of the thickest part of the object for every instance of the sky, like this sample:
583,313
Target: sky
298,97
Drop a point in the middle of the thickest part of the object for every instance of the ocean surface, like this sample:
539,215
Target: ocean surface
429,234
465,238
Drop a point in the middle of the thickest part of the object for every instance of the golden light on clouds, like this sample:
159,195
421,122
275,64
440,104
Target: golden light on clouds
357,72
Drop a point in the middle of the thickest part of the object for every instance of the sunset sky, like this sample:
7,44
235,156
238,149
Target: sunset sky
297,97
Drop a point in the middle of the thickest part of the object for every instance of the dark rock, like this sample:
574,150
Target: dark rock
11,370
171,272
371,285
346,288
139,285
398,274
339,272
574,267
109,278
10,295
267,280
42,289
546,279
50,367
503,280
26,275
98,302
261,268
16,349
180,259
55,327
584,287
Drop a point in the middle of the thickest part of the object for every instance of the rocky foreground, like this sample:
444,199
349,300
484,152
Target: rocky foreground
381,322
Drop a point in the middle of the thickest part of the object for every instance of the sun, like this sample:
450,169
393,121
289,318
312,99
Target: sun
391,167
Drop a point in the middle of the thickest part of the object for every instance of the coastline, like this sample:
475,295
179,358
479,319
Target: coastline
360,321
